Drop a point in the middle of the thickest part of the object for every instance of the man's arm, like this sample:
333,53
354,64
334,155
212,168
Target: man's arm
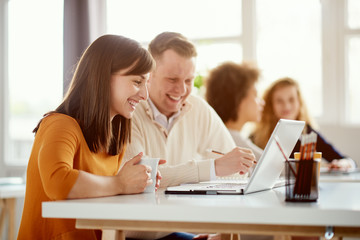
149,140
185,147
236,159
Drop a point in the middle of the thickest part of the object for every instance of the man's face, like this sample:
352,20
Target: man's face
171,82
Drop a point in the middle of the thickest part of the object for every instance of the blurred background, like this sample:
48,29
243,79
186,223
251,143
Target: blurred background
316,42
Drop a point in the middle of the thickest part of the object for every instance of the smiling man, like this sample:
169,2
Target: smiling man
180,127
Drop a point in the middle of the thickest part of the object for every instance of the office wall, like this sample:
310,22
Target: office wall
345,138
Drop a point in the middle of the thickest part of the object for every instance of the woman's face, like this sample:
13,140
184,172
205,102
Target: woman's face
126,92
251,107
286,103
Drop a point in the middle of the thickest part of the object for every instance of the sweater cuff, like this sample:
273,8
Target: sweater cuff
212,170
204,167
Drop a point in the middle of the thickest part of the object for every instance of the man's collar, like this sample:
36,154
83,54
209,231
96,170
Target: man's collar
161,119
151,110
157,113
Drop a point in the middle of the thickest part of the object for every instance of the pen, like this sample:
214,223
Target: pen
214,151
221,153
282,151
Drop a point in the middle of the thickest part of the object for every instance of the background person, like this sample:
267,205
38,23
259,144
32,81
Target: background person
231,91
284,100
79,146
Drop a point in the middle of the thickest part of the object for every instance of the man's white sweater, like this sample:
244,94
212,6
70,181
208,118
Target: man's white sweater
185,148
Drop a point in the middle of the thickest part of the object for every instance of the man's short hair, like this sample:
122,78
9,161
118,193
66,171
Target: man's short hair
172,40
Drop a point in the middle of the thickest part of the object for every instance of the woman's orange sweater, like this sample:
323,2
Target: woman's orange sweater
58,152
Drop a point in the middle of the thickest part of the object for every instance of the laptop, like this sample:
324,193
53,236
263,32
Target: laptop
267,170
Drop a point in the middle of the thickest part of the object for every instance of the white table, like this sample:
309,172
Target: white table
340,177
8,195
264,212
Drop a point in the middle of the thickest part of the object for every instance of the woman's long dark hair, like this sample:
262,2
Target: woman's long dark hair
88,97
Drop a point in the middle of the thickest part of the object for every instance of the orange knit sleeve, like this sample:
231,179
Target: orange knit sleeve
59,143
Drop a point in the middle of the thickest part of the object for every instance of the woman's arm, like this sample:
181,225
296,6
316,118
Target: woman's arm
132,178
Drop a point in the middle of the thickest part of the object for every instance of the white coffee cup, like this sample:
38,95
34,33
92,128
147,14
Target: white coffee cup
153,163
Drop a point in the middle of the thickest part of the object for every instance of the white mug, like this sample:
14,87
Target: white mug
153,163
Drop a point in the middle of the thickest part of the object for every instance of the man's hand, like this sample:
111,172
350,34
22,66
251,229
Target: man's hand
158,175
238,160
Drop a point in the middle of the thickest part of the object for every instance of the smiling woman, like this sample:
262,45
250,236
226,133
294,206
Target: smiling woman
126,92
284,101
79,146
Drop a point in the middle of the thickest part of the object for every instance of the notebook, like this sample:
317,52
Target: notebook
266,173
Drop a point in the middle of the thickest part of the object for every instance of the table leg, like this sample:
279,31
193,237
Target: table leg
226,236
236,236
2,216
11,205
282,237
112,235
120,235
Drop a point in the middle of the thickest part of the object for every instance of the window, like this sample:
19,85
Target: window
353,52
314,42
353,10
35,71
214,27
289,45
352,60
282,50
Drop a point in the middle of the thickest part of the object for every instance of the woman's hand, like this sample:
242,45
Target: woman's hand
342,164
134,177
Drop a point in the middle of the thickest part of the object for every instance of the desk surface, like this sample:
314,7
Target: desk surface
12,191
338,205
340,177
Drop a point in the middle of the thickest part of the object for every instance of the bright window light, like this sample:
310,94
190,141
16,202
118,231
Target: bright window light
353,80
289,45
353,8
35,55
142,20
210,55
214,27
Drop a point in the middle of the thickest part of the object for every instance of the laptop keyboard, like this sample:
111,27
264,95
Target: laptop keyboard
227,186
